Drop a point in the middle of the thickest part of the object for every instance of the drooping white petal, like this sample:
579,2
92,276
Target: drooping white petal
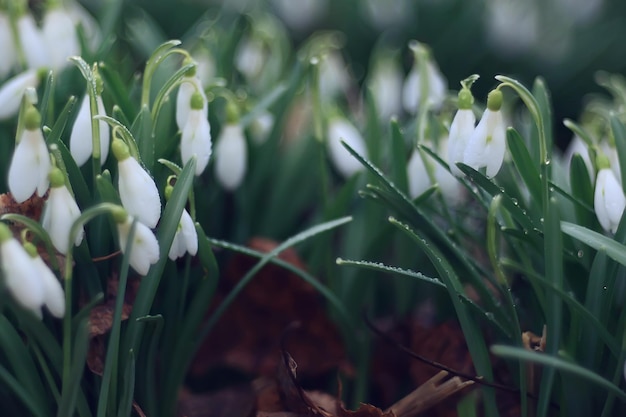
450,187
183,100
54,297
611,153
487,144
138,192
231,157
333,77
338,130
250,57
196,140
386,85
29,167
60,36
185,239
412,90
32,41
12,91
7,46
578,146
608,201
261,127
417,174
81,143
461,129
144,249
59,213
21,276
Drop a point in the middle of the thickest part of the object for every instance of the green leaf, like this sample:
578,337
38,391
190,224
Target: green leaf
472,332
70,391
582,192
118,90
601,243
619,134
580,132
524,164
398,157
144,137
557,364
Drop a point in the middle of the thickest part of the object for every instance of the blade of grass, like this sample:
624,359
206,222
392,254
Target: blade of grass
475,342
557,363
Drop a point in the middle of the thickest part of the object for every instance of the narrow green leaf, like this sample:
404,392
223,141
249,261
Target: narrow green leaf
557,364
619,134
126,402
115,86
25,397
526,167
492,189
582,192
580,132
143,134
399,157
471,330
553,253
70,393
599,242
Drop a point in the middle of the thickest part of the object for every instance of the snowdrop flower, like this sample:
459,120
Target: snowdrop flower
138,192
60,36
32,42
611,152
81,142
28,278
12,91
450,187
30,164
231,156
578,146
386,86
190,84
333,76
460,130
60,212
339,129
185,239
261,127
487,144
608,200
144,249
196,135
425,83
417,174
250,57
7,46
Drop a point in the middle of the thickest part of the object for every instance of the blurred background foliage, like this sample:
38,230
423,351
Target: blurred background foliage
564,41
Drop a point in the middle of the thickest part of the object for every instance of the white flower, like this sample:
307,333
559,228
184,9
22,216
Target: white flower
138,192
30,164
81,143
7,46
144,249
250,57
196,139
461,129
386,86
21,275
32,42
12,91
487,144
450,187
412,92
417,174
261,127
302,14
333,76
231,156
340,129
59,213
54,297
608,200
190,85
578,146
185,239
60,37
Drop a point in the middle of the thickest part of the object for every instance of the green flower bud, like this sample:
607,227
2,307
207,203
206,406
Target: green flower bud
30,249
57,179
32,118
120,149
602,161
197,101
119,214
466,99
5,233
232,113
494,100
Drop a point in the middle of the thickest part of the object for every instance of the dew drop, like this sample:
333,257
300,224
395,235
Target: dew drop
547,162
580,253
604,288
